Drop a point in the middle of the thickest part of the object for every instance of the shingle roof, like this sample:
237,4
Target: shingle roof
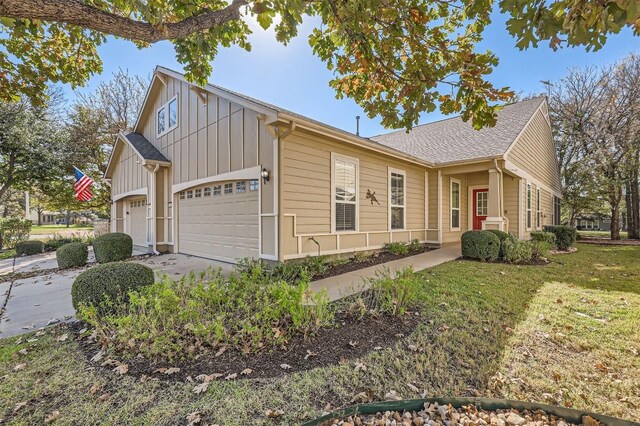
452,139
145,148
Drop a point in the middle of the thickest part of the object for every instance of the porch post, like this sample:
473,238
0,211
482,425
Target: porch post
494,208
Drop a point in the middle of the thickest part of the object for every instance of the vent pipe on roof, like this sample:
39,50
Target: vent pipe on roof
357,125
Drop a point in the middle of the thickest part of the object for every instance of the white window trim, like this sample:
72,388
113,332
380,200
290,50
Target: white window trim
404,198
538,209
451,208
334,157
167,129
528,200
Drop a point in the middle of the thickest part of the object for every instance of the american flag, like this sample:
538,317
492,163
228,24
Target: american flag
81,185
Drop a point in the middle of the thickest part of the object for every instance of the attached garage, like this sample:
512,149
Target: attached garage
137,221
220,221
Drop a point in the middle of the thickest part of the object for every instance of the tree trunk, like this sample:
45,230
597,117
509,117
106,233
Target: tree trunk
68,217
615,222
633,206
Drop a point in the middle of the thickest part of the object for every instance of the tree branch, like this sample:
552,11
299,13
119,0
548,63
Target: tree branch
76,12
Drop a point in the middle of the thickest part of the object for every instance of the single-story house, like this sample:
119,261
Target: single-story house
213,173
593,222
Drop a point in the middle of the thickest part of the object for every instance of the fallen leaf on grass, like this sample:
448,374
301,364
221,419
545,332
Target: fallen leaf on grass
23,351
221,351
52,417
94,389
208,377
273,414
361,397
194,418
62,338
19,367
121,369
413,387
104,397
310,354
285,366
360,367
246,372
201,388
98,356
231,376
19,405
392,396
110,362
167,371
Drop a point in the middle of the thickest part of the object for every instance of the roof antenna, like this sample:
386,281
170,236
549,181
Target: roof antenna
357,125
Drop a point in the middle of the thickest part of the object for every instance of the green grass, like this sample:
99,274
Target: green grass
7,254
623,234
56,229
478,317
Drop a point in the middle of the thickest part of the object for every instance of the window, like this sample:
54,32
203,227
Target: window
217,190
189,194
482,203
198,193
254,184
168,116
556,210
228,188
241,187
173,113
345,193
529,206
455,205
538,210
397,188
207,191
161,120
182,195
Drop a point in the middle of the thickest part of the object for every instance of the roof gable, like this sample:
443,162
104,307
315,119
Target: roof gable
141,146
453,140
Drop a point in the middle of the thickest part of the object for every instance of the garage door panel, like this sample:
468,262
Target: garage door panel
219,226
137,217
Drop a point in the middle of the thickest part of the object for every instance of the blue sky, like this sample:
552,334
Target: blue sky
293,78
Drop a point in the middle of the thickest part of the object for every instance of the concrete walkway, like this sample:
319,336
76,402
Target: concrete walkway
353,282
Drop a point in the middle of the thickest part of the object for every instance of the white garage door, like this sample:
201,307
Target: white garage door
137,226
219,221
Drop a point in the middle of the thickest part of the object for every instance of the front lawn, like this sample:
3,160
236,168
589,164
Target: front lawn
564,333
56,229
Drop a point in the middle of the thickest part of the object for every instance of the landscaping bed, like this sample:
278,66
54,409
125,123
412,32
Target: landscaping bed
350,338
360,262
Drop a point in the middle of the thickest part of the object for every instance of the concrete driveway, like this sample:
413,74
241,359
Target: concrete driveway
32,303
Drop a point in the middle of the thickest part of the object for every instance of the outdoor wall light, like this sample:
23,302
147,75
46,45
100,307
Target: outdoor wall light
265,175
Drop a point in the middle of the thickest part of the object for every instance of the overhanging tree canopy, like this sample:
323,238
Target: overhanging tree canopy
395,58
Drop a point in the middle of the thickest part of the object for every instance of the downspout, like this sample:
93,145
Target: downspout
501,199
153,211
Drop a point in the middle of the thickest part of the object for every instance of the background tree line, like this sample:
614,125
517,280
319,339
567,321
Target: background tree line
40,144
595,113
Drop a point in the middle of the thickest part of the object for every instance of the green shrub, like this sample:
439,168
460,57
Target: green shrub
480,245
106,286
565,235
202,313
13,230
113,247
502,236
548,237
517,251
539,249
28,248
72,255
415,245
394,296
56,242
398,248
292,272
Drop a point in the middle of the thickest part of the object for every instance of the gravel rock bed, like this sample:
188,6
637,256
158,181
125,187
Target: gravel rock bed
446,415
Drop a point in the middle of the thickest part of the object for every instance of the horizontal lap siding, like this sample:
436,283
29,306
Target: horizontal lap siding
306,191
535,152
511,197
449,236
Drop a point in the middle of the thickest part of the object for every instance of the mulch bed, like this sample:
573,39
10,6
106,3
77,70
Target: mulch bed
374,259
351,338
608,242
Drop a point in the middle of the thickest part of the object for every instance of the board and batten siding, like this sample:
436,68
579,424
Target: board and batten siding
128,174
534,152
306,197
213,138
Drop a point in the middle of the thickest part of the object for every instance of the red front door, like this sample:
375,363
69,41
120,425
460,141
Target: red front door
480,206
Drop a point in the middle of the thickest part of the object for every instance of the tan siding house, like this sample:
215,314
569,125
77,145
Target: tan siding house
212,173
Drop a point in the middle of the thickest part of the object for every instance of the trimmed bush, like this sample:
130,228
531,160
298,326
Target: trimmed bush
113,247
13,230
517,251
72,255
28,248
481,245
502,236
55,243
565,236
398,248
540,249
106,286
547,237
